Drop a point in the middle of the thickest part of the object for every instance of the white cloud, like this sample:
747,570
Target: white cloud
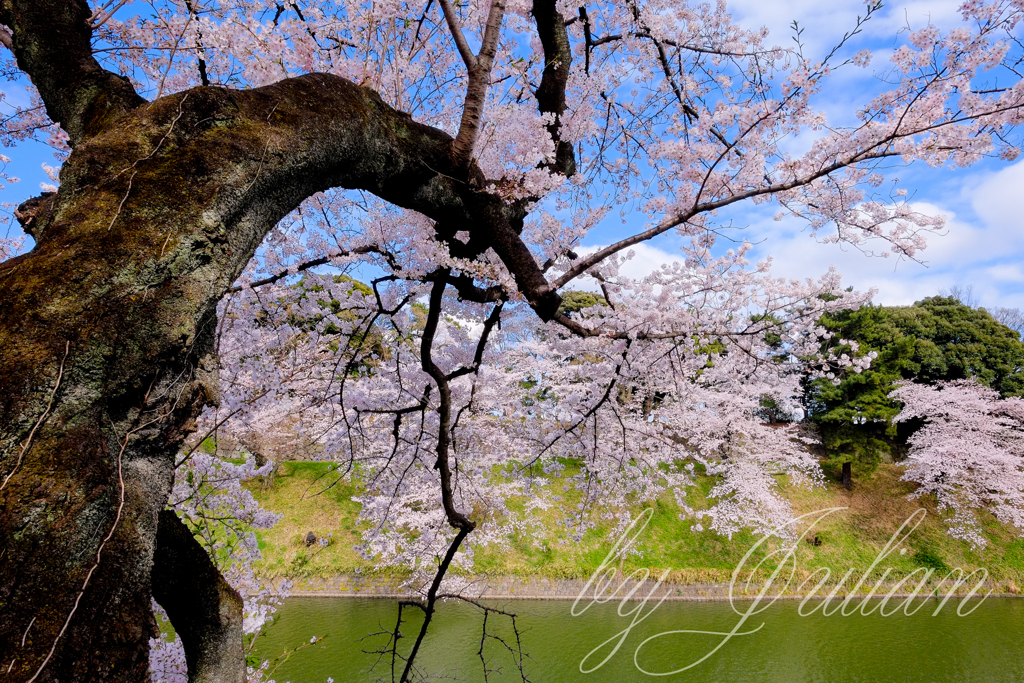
997,199
646,259
824,23
980,253
984,254
1006,273
969,252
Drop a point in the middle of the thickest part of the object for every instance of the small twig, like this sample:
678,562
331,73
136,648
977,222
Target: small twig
23,637
101,17
165,245
260,167
214,428
170,59
516,652
156,149
323,260
123,200
287,655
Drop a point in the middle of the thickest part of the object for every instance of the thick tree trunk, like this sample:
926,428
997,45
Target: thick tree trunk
848,475
107,328
206,612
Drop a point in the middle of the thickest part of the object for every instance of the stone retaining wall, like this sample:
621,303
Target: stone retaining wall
510,588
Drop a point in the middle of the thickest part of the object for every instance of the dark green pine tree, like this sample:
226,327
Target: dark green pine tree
936,339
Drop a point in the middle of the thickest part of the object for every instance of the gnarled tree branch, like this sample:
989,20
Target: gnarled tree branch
51,42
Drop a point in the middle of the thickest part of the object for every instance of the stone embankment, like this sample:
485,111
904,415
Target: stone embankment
512,588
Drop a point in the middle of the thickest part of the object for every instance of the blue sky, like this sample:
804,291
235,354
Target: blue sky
983,245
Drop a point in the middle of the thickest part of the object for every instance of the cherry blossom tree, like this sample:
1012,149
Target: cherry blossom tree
531,395
969,454
214,150
640,417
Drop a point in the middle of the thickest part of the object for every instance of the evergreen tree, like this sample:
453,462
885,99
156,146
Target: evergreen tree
936,339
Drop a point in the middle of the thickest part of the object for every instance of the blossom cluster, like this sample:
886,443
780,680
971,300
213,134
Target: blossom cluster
969,454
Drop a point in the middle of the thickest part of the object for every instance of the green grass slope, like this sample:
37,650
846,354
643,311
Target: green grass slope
312,497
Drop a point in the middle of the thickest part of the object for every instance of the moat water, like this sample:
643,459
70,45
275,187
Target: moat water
986,645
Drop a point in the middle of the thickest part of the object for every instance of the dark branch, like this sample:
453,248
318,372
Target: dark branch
323,260
51,42
444,410
551,92
468,291
200,51
478,357
428,609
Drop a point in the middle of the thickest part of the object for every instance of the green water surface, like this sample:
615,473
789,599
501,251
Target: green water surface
985,646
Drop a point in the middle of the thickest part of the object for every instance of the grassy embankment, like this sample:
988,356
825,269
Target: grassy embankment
311,498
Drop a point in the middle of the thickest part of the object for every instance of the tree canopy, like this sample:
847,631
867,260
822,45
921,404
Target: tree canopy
968,454
936,339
